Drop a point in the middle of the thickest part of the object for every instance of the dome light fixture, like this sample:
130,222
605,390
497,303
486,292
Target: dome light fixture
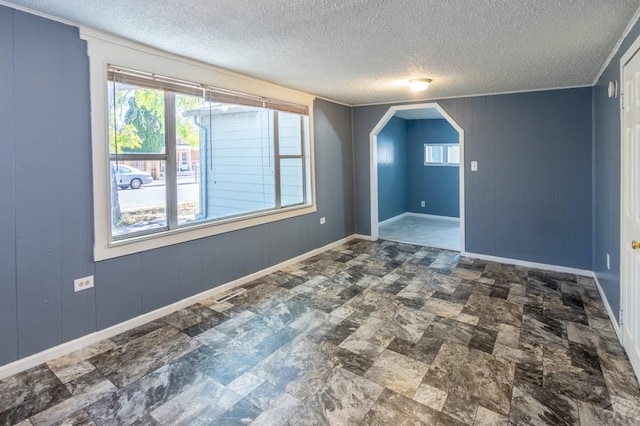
419,84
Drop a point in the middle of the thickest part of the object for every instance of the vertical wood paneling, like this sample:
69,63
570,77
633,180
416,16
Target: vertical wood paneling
210,276
238,250
278,241
415,175
78,309
392,169
507,161
339,161
481,197
158,276
307,231
39,186
263,242
298,234
189,261
251,247
118,290
580,242
563,126
223,258
536,201
8,306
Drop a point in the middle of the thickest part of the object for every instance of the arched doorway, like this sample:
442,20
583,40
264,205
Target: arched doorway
414,111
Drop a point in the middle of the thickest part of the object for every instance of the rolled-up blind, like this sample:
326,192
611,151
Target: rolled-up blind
213,94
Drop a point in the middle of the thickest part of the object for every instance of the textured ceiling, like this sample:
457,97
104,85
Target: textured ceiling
363,51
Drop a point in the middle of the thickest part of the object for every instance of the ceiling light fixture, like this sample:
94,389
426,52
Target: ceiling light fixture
420,84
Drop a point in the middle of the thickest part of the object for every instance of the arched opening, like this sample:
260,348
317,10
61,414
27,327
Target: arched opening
438,153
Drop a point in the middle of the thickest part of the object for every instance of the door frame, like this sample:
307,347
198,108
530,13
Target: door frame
626,57
373,163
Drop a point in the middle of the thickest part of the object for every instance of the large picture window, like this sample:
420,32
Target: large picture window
182,154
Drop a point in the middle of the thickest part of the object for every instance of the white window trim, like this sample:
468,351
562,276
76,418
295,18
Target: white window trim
446,155
104,49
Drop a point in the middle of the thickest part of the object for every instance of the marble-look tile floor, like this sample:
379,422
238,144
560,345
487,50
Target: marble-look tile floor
429,231
365,334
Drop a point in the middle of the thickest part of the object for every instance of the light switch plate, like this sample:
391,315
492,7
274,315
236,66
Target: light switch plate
474,166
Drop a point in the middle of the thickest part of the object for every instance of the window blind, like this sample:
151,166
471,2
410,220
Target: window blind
212,94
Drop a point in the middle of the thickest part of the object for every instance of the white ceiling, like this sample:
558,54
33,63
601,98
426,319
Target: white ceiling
363,51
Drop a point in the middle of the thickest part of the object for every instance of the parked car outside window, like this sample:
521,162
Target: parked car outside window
127,176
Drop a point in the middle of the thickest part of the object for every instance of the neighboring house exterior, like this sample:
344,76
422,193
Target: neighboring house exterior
237,160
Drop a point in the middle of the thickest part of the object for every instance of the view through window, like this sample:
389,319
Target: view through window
441,155
182,154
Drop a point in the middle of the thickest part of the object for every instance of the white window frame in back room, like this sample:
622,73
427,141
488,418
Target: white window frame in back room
445,154
104,49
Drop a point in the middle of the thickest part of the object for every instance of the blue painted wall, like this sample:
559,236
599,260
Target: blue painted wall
437,186
8,305
547,190
606,178
531,197
46,226
392,169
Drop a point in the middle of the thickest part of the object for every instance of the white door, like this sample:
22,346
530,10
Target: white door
630,237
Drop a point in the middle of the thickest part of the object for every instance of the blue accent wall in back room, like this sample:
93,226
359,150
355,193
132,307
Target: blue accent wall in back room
46,226
606,178
531,197
392,169
437,186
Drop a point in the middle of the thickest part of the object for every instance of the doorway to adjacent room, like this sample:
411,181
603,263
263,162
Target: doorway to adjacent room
417,183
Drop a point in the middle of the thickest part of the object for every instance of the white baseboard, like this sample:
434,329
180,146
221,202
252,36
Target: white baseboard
362,237
433,216
90,339
84,341
393,219
612,317
527,264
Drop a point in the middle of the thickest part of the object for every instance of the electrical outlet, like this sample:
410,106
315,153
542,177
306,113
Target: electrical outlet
83,283
323,220
608,262
421,203
474,166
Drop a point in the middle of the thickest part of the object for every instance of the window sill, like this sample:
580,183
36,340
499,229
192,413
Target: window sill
182,235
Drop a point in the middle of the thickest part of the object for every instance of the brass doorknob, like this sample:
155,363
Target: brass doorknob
635,245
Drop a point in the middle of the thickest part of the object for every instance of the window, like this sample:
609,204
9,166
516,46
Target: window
251,154
146,122
453,154
441,155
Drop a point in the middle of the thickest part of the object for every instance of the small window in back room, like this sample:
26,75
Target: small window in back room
441,155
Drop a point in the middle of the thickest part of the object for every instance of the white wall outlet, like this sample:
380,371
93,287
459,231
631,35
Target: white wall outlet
421,203
608,262
323,220
83,283
474,166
